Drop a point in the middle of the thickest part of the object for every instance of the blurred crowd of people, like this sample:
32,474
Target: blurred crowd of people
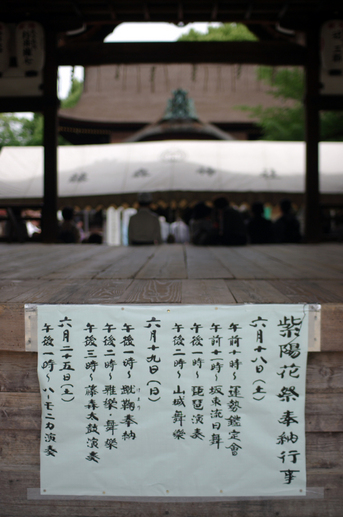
22,225
225,225
219,224
71,228
19,225
216,223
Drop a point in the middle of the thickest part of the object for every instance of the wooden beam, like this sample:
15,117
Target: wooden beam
267,53
51,103
312,135
330,102
8,104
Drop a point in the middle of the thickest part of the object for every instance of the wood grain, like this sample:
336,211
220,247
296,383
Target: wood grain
202,263
49,291
324,372
239,266
21,411
11,289
257,291
304,260
18,372
168,262
153,291
90,262
16,505
332,328
307,291
99,291
12,327
19,447
128,262
206,292
169,275
273,267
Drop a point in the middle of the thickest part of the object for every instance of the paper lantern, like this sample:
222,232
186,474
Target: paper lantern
4,48
332,47
30,47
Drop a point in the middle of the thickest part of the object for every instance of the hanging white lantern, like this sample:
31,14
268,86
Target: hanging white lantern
30,47
4,48
332,47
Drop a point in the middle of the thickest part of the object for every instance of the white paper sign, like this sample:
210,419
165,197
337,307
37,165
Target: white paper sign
173,401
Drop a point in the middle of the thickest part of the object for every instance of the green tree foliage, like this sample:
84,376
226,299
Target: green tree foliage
287,122
18,130
287,83
331,126
225,32
74,94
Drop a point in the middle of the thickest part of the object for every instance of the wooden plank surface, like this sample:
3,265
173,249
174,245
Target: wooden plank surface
239,266
333,288
206,292
10,289
21,411
300,508
169,275
42,263
48,291
99,292
16,504
153,291
272,267
89,263
309,291
20,398
12,327
324,372
255,291
21,447
129,262
298,272
166,263
332,328
18,372
202,263
304,259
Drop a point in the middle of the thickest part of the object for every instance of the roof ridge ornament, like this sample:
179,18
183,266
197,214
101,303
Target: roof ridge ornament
180,107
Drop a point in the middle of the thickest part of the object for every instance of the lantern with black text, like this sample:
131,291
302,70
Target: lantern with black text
4,48
30,47
332,47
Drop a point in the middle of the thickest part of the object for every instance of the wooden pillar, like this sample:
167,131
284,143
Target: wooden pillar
312,136
51,103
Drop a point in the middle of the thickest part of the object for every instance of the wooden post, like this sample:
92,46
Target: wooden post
49,213
312,136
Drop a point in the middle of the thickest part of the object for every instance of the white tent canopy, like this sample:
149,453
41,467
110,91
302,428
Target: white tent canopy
169,166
